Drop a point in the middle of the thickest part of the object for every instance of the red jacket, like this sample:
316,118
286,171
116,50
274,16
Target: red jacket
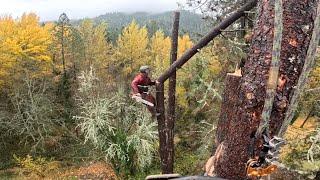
141,79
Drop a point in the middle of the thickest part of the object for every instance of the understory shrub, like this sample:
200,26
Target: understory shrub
116,125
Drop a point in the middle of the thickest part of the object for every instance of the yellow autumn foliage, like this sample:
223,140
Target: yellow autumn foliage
160,52
95,44
214,65
23,45
184,43
131,52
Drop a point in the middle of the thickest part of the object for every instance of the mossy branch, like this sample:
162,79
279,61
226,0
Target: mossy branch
274,69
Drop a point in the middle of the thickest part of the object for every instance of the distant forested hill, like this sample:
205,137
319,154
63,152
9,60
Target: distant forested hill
190,23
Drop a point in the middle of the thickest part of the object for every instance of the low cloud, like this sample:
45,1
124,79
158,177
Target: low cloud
51,9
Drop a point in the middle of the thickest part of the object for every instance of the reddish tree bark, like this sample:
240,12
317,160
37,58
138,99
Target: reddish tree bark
228,105
298,17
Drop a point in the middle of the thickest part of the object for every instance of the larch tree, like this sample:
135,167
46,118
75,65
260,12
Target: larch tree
184,43
131,50
159,51
95,44
24,47
8,47
86,31
245,111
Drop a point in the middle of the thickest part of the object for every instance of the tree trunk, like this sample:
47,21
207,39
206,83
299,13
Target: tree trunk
162,128
307,68
172,93
228,106
298,17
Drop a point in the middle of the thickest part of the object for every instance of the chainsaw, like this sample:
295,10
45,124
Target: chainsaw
141,100
138,98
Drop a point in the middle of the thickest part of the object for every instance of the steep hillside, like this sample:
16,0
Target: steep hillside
190,23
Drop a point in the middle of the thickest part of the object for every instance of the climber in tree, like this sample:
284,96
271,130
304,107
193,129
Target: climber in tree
140,88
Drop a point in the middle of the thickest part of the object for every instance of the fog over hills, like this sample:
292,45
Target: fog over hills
190,23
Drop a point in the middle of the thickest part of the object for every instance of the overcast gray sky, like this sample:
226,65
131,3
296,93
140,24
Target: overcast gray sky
75,9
